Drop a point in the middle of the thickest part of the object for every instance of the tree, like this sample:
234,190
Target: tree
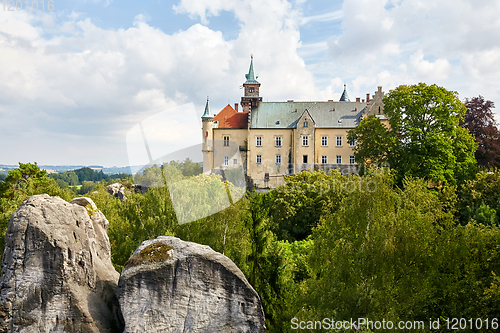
20,183
87,187
296,207
397,254
480,121
423,139
372,141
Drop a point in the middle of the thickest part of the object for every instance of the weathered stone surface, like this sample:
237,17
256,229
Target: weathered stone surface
57,274
170,285
117,190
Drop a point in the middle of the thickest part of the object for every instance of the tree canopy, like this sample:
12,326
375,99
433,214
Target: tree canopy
480,121
423,139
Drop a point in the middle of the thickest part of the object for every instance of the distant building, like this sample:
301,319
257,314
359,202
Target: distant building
282,138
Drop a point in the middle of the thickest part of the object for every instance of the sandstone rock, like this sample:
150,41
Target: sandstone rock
57,274
140,188
169,285
117,190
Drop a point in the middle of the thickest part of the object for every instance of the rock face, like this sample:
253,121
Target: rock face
170,285
117,190
57,274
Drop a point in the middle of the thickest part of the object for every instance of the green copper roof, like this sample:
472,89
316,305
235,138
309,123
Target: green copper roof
344,97
207,111
251,78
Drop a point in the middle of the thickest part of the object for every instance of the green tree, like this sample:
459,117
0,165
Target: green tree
62,184
87,187
132,221
479,199
295,208
20,183
423,139
373,140
399,254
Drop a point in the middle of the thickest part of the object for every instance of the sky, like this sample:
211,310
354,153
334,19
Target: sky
77,80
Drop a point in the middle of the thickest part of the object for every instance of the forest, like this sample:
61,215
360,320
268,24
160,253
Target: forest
403,240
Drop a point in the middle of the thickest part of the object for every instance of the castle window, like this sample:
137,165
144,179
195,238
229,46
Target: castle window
251,89
235,161
324,141
259,141
304,159
339,141
278,159
226,160
259,159
305,141
324,159
352,142
339,159
226,141
277,141
351,159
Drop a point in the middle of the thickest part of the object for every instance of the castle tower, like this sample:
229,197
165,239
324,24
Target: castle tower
251,96
207,141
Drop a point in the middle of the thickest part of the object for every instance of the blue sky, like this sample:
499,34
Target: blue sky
76,80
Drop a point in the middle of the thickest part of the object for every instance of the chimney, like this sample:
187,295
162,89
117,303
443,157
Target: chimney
358,99
236,106
367,98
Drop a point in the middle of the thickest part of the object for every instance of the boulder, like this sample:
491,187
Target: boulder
57,274
117,190
169,285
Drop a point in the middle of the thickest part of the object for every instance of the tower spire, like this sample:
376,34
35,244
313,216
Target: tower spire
207,111
344,97
251,77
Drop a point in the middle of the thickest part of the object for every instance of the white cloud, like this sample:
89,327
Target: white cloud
77,84
330,16
450,43
439,69
85,82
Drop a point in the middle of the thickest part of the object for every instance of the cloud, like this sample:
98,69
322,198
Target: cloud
81,84
67,82
330,16
439,69
450,43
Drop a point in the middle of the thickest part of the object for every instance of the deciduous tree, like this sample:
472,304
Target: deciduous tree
423,139
480,121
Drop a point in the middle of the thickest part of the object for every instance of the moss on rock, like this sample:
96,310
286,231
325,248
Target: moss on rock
153,253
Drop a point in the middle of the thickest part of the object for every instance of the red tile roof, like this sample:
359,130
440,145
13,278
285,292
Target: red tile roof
229,118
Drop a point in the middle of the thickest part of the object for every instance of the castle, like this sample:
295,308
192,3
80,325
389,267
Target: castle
272,139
